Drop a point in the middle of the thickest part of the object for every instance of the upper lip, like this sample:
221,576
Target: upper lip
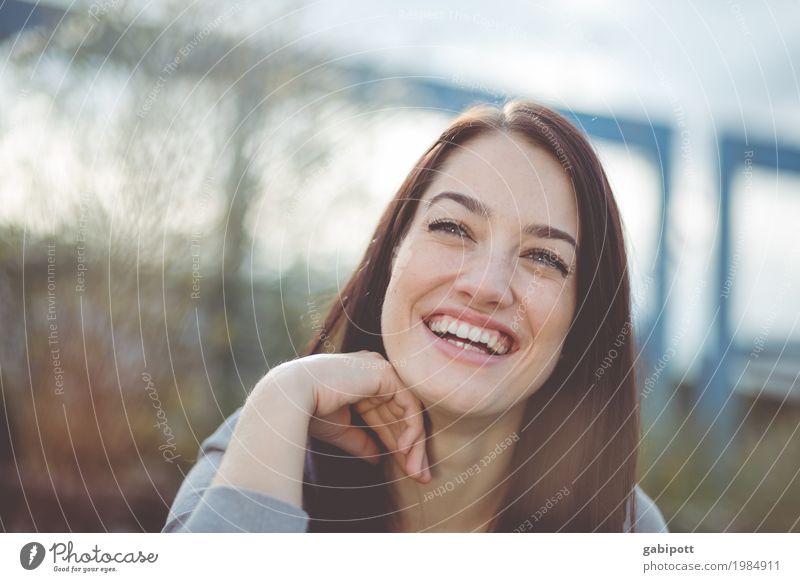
477,319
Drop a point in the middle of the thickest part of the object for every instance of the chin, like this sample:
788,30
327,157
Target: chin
464,400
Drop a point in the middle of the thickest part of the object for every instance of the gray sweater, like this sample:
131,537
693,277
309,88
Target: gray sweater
220,508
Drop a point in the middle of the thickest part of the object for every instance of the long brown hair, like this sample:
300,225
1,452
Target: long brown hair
574,466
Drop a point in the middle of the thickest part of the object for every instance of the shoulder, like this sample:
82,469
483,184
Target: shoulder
648,517
221,437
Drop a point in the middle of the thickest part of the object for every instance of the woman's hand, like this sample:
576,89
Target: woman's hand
312,396
370,383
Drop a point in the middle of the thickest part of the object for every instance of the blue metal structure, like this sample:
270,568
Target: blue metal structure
655,142
734,154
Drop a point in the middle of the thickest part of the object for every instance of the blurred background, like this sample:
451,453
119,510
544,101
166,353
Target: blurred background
185,186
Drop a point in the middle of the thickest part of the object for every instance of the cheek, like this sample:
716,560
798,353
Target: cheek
415,271
418,281
406,277
550,314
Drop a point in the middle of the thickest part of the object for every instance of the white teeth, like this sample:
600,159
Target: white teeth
495,341
464,346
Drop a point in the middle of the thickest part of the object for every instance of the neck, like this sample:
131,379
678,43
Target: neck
470,461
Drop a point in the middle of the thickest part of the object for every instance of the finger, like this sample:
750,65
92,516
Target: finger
410,409
373,419
378,423
395,406
392,425
424,475
413,432
427,472
358,443
407,406
412,441
415,463
415,426
390,439
417,460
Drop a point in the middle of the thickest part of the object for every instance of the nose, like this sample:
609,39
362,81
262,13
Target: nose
486,281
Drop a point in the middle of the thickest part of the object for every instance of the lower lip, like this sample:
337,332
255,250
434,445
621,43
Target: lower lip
461,354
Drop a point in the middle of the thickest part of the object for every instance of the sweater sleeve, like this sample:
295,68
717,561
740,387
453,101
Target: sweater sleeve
200,507
648,516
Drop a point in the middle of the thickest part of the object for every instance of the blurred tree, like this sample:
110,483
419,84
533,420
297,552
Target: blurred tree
160,141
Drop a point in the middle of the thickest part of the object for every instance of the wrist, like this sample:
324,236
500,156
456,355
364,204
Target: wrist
267,449
282,387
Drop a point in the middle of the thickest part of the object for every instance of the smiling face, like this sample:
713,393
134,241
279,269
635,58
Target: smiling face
483,287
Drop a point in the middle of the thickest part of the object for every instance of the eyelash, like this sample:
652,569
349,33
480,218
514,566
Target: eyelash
550,258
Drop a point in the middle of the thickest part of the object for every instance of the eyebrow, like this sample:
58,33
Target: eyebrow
475,206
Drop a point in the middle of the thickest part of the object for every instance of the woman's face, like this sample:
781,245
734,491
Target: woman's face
482,290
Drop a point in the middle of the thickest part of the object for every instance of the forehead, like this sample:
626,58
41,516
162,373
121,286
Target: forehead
517,180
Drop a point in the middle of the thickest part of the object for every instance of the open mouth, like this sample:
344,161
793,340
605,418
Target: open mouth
471,337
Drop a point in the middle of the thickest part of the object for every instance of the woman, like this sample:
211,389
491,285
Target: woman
482,378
